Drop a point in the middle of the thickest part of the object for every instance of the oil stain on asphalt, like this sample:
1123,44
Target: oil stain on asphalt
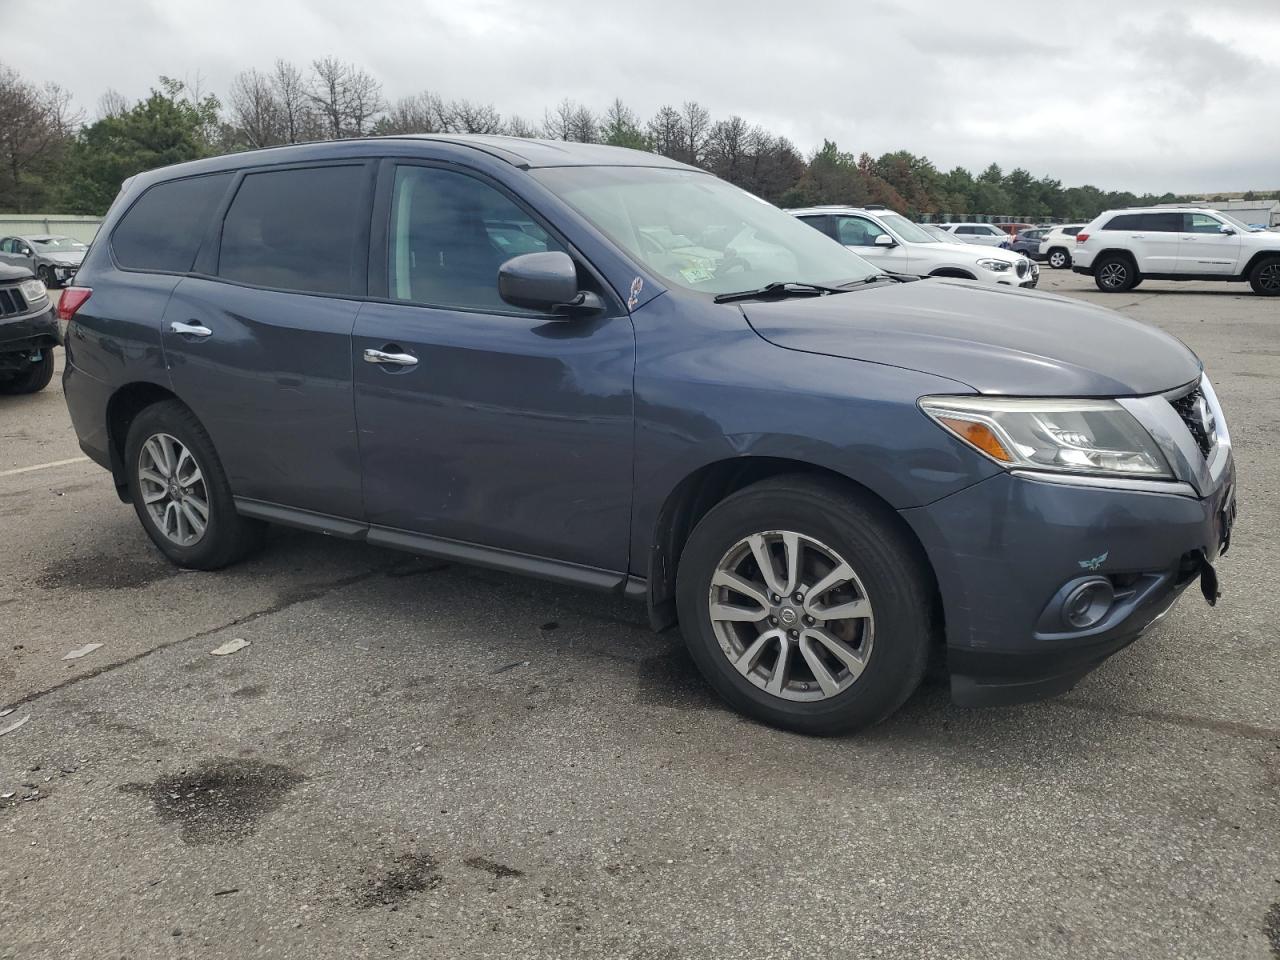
104,573
394,883
219,801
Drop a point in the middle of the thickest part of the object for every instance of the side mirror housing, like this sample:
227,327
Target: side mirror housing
884,240
547,282
1229,231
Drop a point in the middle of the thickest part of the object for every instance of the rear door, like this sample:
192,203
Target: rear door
1204,248
482,423
259,344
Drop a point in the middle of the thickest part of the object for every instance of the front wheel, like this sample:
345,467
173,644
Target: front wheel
46,277
32,378
805,606
1114,274
180,492
1264,278
1058,258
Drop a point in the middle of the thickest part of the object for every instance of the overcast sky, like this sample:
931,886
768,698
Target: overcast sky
1126,94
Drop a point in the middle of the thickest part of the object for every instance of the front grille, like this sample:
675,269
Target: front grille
1022,268
12,302
1195,413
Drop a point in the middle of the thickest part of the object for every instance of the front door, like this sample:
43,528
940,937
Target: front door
1204,248
479,422
859,235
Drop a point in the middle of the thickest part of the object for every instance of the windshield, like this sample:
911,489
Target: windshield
905,229
60,243
700,232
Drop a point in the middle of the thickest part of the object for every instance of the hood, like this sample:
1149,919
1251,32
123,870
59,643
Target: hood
9,272
67,259
998,340
977,251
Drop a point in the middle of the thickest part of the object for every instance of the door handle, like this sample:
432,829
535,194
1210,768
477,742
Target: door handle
190,328
390,359
1138,236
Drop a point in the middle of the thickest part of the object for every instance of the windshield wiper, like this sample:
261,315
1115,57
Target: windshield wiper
877,277
780,289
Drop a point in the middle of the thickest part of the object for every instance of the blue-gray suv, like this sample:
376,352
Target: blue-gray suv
605,368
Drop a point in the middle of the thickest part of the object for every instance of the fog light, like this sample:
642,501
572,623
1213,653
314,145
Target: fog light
1088,602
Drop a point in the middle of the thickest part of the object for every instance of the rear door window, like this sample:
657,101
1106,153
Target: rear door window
302,229
1162,222
163,229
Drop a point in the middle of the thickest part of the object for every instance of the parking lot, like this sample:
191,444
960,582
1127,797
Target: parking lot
447,762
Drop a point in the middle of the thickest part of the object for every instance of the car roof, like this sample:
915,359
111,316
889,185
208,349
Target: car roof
42,237
836,208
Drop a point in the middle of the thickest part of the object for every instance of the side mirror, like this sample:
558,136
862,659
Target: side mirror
546,282
884,240
1229,231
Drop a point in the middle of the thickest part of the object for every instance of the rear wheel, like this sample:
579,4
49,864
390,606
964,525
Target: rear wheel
180,492
33,376
47,277
805,606
1114,274
1058,258
1265,277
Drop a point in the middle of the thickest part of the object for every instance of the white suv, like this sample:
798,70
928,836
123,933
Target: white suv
1121,248
894,243
1057,244
986,234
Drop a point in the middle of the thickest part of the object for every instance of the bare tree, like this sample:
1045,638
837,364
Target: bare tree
520,127
420,113
466,116
571,121
112,104
297,114
35,128
256,111
696,123
727,146
666,132
347,98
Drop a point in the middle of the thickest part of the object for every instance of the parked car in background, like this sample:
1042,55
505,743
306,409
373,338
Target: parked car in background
937,232
1056,245
987,234
827,475
894,243
1027,242
1121,248
52,258
1011,230
28,332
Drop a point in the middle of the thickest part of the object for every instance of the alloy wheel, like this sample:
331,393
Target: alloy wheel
791,615
173,489
1057,259
1114,275
1269,277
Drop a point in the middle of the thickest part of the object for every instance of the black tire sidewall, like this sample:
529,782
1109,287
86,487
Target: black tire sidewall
1255,277
879,553
1130,276
221,542
34,379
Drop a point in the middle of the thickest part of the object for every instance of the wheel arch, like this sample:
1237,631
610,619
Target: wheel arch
1117,252
1253,260
697,493
122,408
955,273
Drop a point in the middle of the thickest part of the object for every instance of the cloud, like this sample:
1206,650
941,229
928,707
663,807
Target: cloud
1142,95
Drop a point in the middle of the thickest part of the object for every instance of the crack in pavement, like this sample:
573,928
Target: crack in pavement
1229,728
300,595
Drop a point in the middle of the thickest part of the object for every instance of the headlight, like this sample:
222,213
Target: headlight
33,290
1065,436
995,266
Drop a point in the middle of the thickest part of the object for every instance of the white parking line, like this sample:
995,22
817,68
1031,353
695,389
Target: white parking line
42,466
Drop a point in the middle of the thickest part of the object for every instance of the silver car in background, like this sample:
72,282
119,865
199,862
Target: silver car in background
52,258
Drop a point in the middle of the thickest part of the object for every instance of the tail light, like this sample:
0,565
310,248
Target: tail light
1081,237
73,298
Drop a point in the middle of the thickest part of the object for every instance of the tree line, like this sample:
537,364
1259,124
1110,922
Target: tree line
54,159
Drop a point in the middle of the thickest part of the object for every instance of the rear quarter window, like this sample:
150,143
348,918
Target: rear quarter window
1125,221
163,229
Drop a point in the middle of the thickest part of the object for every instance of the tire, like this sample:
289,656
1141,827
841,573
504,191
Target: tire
1059,259
1264,278
1114,273
32,380
226,536
830,522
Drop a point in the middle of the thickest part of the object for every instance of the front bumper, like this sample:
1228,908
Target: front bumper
1004,549
30,331
1012,278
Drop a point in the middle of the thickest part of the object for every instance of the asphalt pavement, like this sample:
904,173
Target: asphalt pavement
411,758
